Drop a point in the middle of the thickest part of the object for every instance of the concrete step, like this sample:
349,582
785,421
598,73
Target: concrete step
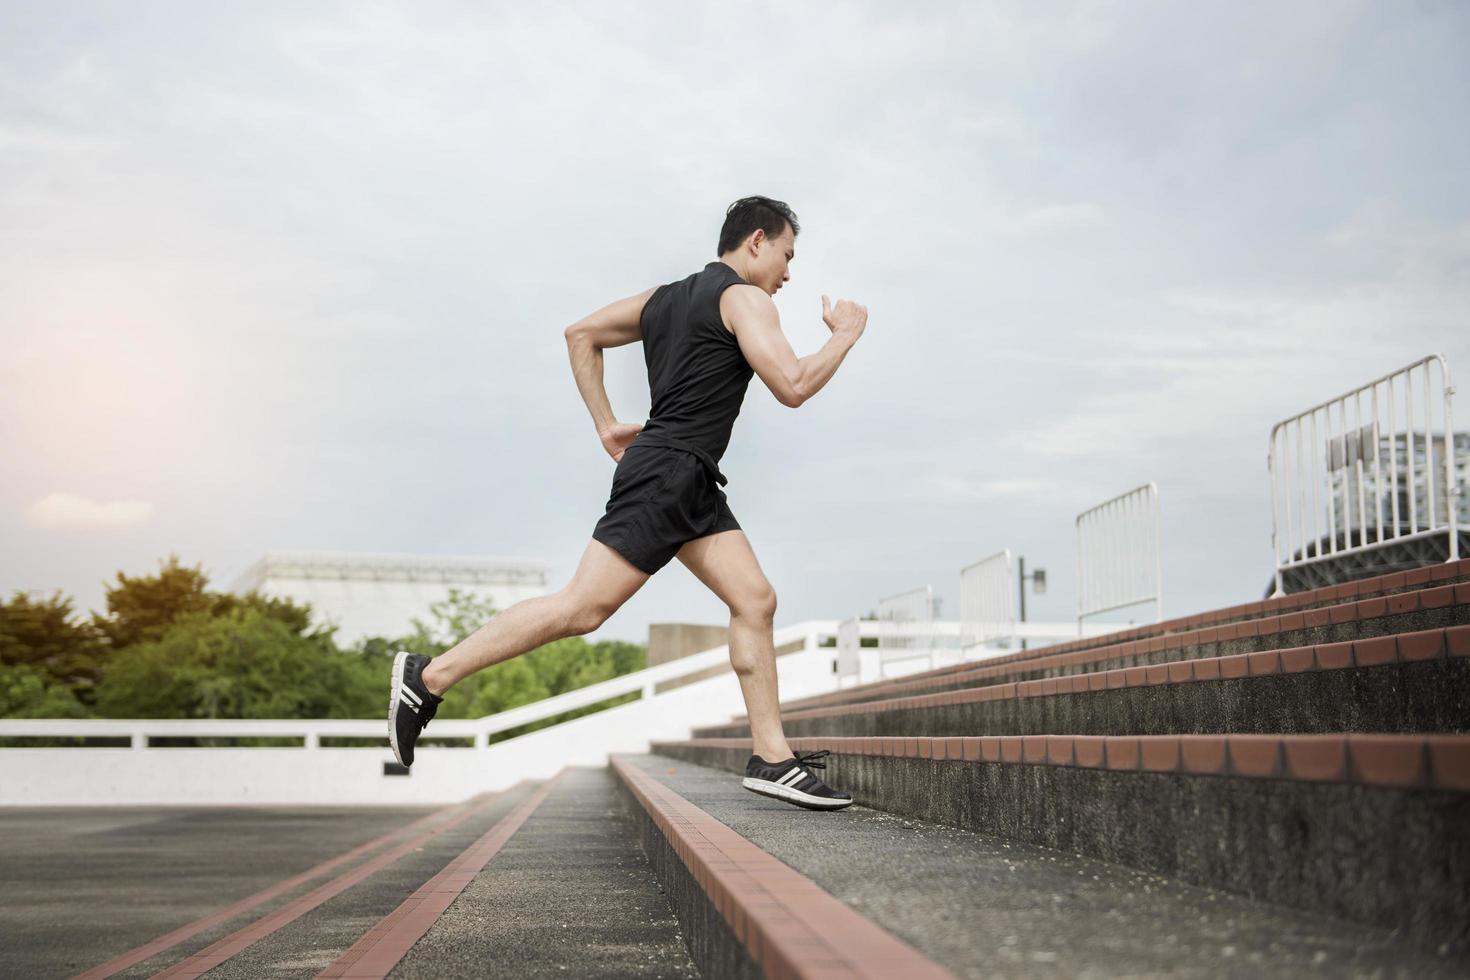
1429,576
974,905
1415,682
1370,625
1366,828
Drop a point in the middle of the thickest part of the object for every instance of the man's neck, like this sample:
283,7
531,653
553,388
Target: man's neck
735,263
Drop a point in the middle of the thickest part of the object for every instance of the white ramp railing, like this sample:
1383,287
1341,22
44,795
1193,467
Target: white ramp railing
988,600
1119,554
1373,466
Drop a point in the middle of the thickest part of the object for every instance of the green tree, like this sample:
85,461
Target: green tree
142,607
296,618
26,692
450,620
553,668
43,634
243,664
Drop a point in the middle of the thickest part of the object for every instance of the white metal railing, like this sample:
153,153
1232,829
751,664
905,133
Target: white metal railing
934,644
140,730
914,607
988,599
1347,478
1120,554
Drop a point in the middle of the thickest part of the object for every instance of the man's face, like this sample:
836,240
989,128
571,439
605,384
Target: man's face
771,266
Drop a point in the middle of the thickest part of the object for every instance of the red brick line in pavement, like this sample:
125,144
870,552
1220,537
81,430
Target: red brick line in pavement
1264,609
170,939
382,946
1440,762
216,953
790,927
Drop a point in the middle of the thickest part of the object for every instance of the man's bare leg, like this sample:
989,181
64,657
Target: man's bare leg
604,580
726,563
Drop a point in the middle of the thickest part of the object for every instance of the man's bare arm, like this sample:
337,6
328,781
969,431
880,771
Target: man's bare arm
751,313
614,325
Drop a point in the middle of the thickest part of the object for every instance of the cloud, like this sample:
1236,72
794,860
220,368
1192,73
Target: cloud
69,511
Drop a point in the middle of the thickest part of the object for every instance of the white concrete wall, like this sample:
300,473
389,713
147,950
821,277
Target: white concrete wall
361,609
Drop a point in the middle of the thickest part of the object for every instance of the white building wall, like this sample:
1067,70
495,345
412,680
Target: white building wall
381,594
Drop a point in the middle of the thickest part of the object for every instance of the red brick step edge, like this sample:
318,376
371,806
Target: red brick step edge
1438,762
788,925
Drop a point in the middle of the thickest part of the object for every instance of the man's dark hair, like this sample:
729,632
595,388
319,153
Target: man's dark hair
749,213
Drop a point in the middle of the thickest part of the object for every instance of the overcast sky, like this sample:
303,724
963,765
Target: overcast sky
294,276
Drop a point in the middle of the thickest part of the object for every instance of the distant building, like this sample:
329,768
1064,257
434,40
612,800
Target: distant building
1372,481
380,595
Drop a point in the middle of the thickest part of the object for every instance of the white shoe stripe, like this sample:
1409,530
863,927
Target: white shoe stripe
410,693
791,778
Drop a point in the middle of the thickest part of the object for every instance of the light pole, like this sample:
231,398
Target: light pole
1038,582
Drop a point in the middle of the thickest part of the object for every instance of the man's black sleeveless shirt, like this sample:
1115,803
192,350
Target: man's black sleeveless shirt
697,375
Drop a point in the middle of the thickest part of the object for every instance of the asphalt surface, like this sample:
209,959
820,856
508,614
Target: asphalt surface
986,907
571,894
84,884
302,948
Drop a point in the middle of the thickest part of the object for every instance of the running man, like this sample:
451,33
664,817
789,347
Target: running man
703,338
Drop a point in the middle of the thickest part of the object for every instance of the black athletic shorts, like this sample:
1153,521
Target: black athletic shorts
661,498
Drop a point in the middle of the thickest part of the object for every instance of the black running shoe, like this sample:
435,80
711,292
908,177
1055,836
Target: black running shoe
792,780
410,705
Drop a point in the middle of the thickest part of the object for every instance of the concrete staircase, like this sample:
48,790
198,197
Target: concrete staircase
1306,756
1280,789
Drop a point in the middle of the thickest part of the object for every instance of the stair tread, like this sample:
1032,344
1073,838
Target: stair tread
976,903
570,894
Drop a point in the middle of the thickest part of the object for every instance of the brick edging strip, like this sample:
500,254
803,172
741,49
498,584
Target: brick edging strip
1377,651
1439,762
789,925
170,939
217,952
379,949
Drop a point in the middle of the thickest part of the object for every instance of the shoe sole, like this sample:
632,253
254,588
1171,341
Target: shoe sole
398,663
795,796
